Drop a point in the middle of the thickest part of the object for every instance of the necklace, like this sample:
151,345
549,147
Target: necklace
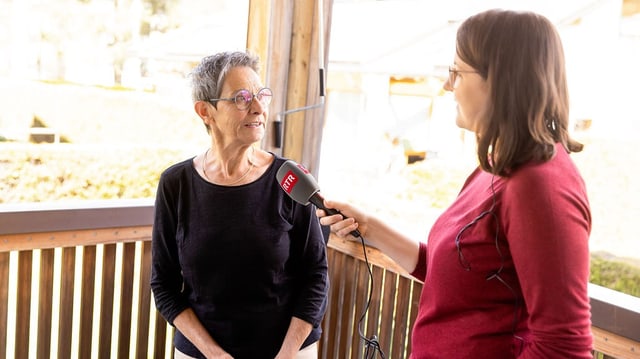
251,165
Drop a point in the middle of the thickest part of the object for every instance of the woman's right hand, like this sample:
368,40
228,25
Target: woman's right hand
398,246
349,219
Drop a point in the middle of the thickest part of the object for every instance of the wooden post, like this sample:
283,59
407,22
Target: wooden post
298,84
276,62
291,60
315,119
258,31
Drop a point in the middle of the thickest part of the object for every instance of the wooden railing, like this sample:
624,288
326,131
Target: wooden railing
392,305
74,283
79,289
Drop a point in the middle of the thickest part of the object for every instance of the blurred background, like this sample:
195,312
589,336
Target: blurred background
94,101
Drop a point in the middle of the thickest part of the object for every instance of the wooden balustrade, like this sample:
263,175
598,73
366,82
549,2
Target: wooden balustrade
389,314
74,283
79,294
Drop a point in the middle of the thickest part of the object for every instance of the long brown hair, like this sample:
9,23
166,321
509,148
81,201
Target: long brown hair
521,56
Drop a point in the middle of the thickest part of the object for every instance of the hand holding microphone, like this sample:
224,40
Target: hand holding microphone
340,226
300,185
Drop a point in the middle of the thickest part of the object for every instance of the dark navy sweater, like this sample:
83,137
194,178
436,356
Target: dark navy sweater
245,259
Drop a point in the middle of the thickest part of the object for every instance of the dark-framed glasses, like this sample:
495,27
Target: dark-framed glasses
453,74
243,98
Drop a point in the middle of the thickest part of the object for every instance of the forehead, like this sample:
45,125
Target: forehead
241,77
459,63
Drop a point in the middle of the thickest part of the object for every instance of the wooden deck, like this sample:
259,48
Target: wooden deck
74,283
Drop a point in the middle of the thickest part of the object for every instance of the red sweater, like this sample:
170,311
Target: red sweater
537,306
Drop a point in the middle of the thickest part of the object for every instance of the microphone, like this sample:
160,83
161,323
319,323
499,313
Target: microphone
300,185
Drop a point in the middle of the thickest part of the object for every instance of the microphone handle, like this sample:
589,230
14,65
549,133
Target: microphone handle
318,201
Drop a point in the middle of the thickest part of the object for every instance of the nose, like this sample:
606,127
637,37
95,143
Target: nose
447,85
256,106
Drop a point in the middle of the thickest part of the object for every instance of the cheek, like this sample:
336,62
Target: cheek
483,105
472,109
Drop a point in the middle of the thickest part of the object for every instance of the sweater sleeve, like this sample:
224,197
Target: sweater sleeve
311,259
547,224
420,272
166,278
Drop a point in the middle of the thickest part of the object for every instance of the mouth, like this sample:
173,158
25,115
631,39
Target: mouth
253,124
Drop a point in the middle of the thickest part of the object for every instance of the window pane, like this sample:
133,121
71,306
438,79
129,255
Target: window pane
94,94
395,103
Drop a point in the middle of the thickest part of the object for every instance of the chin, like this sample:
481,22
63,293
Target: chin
461,123
258,137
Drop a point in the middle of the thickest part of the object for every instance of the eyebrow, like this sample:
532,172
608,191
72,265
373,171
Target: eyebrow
248,89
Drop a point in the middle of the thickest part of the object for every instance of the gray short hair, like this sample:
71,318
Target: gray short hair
208,76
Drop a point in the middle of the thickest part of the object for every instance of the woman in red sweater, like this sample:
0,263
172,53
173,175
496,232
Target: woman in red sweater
506,266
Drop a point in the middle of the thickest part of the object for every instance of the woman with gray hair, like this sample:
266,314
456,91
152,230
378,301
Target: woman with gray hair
238,267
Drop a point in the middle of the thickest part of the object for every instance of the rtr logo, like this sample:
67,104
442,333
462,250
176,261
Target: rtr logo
304,170
289,181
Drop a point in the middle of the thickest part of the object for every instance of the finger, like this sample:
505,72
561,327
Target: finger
330,220
347,228
325,221
328,203
332,204
341,225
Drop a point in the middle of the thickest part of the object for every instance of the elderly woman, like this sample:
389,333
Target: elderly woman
238,267
506,266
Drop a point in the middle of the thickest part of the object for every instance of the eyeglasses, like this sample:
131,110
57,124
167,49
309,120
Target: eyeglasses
453,75
243,98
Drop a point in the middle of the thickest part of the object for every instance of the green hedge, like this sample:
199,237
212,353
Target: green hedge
615,273
42,173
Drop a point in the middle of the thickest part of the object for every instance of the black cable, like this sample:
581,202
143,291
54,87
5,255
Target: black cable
371,345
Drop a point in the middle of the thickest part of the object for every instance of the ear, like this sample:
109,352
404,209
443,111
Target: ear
203,109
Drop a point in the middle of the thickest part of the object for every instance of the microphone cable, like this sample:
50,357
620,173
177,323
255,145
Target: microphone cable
371,345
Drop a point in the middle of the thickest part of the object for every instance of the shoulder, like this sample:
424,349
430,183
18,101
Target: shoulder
548,180
275,162
548,194
177,170
278,160
559,170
